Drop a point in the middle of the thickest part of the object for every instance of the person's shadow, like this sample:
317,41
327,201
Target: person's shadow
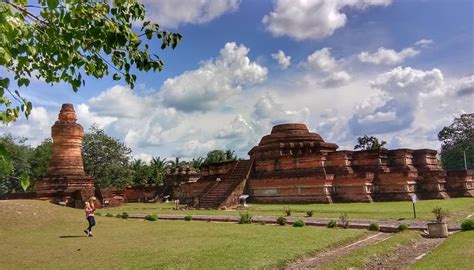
72,236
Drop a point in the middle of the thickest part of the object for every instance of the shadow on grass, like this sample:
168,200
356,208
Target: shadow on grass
72,236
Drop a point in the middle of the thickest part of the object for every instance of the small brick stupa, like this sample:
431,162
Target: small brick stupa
66,181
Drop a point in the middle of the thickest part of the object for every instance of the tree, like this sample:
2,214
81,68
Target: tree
63,40
369,143
158,168
173,164
141,172
196,163
40,159
457,140
217,156
15,163
106,159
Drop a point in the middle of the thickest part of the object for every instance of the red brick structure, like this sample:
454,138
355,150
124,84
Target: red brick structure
294,165
66,180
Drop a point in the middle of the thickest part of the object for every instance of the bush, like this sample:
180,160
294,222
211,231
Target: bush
467,224
118,216
188,218
298,223
344,221
402,227
151,217
262,223
281,221
124,215
440,214
245,218
287,211
374,227
98,214
309,213
109,215
332,224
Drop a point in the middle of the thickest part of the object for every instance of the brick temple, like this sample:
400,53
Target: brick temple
293,165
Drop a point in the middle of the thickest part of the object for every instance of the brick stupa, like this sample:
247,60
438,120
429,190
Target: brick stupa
66,180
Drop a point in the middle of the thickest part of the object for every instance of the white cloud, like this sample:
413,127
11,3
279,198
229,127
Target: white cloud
238,128
387,56
194,148
215,81
328,70
302,19
282,59
424,43
177,12
337,79
322,60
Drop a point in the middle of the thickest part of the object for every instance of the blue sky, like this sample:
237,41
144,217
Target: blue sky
395,69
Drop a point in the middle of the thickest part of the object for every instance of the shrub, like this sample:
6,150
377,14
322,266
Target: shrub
281,221
98,214
287,211
245,218
188,218
151,217
344,221
118,216
440,214
109,215
402,227
298,223
332,224
262,223
467,224
124,215
374,227
309,213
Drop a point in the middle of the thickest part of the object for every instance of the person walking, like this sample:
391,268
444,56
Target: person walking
90,208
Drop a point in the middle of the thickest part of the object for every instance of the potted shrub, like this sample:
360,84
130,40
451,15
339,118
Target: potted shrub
438,229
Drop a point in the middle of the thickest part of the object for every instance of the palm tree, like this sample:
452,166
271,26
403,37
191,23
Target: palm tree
176,163
230,155
196,163
158,167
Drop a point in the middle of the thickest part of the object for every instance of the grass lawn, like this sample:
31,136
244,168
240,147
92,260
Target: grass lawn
40,235
457,252
459,208
360,257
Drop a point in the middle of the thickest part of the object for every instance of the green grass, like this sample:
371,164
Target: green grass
360,257
457,252
459,208
39,235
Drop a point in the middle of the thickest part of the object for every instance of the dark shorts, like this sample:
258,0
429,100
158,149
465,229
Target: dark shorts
91,221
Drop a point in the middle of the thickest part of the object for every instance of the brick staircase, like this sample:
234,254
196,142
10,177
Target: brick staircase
220,192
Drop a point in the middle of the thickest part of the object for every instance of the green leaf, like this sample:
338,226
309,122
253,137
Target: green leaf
25,182
52,4
116,77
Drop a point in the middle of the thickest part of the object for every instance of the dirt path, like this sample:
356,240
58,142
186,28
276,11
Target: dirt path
332,255
406,255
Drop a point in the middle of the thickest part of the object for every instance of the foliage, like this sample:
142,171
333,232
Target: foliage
25,182
309,213
457,139
287,211
124,215
344,221
40,159
374,227
158,168
440,214
369,143
196,163
106,159
141,172
15,163
188,217
402,227
60,41
98,214
299,223
177,162
245,218
109,215
331,224
467,224
217,156
151,217
118,215
281,221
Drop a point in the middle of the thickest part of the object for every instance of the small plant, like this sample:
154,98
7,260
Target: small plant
374,227
287,211
309,213
332,224
402,227
262,223
151,217
467,224
109,215
124,215
188,218
245,218
440,214
98,214
118,215
281,221
299,223
344,221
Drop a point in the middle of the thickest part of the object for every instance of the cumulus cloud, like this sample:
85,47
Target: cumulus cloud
238,128
203,88
178,12
326,66
465,87
387,56
193,148
336,79
394,108
301,19
282,59
322,60
119,101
